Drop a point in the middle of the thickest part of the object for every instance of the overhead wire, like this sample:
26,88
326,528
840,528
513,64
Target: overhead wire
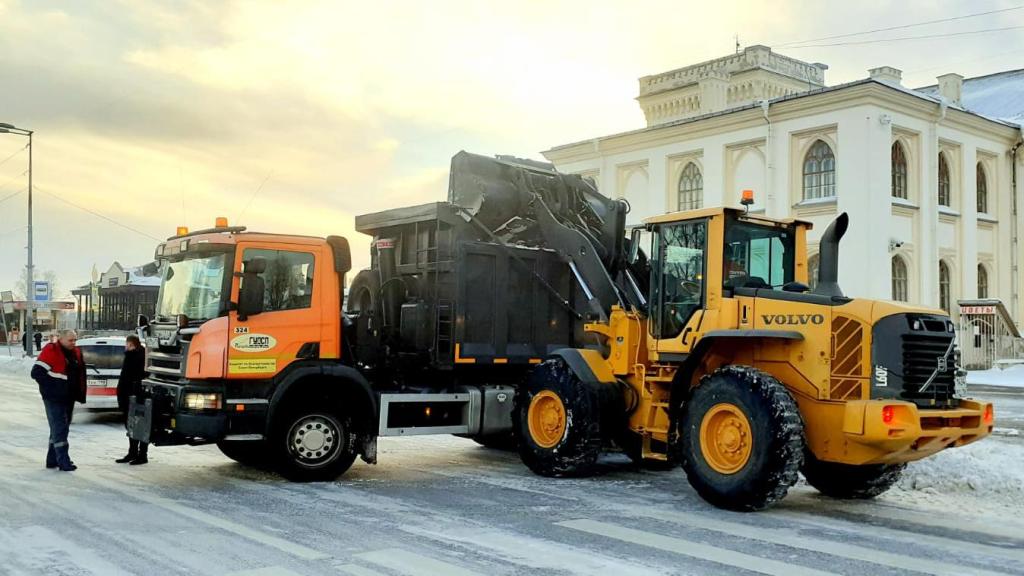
904,38
900,27
13,154
98,215
12,195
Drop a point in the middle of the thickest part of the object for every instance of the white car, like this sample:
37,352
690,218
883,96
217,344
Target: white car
103,358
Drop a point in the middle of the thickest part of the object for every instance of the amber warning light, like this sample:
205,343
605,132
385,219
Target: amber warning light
181,231
748,198
221,222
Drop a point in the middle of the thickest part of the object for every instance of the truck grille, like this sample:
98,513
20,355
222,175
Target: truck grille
921,354
166,366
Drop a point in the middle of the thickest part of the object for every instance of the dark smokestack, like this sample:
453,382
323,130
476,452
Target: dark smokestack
828,259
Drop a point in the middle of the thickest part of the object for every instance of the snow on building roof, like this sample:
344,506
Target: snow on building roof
999,96
136,278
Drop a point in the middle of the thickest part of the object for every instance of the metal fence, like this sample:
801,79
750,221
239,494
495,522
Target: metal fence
987,334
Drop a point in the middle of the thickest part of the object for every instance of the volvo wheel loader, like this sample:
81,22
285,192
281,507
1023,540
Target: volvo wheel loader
520,311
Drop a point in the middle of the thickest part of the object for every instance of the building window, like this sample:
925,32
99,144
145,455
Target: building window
819,172
982,190
944,182
691,188
813,264
899,171
982,281
899,280
944,285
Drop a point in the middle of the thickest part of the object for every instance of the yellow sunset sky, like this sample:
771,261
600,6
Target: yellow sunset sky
293,117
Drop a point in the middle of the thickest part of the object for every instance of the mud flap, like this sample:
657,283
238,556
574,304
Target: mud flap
140,419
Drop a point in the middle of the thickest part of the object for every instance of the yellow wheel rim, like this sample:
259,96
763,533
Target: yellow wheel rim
546,419
725,438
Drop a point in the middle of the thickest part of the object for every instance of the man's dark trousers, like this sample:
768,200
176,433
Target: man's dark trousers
58,414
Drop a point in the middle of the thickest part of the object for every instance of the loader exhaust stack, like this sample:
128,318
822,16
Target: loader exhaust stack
828,265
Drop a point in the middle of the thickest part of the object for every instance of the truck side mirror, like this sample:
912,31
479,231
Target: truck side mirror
250,292
634,245
342,254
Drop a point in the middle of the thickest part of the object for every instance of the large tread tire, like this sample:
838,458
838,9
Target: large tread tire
777,439
339,443
246,453
575,453
850,482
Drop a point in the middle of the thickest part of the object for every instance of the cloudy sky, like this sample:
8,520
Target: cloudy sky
294,117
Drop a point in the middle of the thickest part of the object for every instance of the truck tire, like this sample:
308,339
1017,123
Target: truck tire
557,421
741,439
847,481
364,293
246,453
311,443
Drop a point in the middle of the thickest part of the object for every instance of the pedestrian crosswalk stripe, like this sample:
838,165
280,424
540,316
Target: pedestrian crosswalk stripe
897,534
357,570
411,564
268,571
692,549
789,537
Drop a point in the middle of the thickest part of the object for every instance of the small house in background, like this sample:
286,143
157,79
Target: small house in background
113,300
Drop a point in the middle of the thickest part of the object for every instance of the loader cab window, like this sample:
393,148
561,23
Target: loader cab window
288,279
757,255
678,271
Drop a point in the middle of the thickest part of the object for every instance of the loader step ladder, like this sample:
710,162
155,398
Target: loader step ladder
658,387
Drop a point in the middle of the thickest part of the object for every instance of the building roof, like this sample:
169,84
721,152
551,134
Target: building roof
920,93
999,95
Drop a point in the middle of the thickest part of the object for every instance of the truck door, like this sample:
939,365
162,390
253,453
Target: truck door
678,273
263,344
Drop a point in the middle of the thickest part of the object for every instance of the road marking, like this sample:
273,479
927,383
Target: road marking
357,570
914,538
411,564
112,483
692,549
793,539
268,571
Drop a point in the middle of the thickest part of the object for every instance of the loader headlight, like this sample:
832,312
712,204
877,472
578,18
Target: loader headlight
202,401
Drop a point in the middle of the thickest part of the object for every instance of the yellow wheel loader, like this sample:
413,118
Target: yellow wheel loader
729,365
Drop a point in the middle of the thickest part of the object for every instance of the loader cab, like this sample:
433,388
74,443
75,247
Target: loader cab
700,257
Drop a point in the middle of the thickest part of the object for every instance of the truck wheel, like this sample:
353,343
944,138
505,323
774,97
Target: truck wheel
847,481
557,421
246,453
313,445
741,439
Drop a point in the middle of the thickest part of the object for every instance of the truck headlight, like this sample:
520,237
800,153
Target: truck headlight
202,401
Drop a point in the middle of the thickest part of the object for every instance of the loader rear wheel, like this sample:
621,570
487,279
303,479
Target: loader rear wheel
741,439
847,481
557,420
312,444
246,453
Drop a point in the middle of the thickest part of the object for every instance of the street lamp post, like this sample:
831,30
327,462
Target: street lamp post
30,314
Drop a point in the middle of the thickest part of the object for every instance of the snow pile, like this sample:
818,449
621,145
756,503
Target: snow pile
16,366
1011,377
990,470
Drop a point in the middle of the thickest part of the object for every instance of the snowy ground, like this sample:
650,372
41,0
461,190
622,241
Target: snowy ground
442,505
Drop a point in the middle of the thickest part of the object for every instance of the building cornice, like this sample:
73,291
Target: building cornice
863,92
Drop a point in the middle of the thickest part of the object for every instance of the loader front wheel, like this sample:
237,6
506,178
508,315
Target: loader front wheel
850,482
741,439
558,421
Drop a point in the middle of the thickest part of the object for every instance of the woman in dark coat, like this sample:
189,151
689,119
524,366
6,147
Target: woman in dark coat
129,384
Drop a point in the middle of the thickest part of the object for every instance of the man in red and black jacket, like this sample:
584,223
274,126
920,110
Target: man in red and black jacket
60,372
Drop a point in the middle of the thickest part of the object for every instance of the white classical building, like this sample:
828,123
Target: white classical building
931,177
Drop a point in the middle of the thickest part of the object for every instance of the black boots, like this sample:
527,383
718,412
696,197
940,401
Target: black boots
137,454
127,458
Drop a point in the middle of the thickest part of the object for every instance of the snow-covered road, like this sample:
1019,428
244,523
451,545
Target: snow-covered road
443,505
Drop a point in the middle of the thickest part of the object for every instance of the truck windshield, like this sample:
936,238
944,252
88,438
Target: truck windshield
193,287
757,256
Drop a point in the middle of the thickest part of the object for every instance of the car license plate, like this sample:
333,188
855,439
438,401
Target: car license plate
98,383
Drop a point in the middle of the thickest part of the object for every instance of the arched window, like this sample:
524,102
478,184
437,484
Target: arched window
819,172
813,264
982,281
944,183
691,188
900,292
944,287
982,191
899,171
